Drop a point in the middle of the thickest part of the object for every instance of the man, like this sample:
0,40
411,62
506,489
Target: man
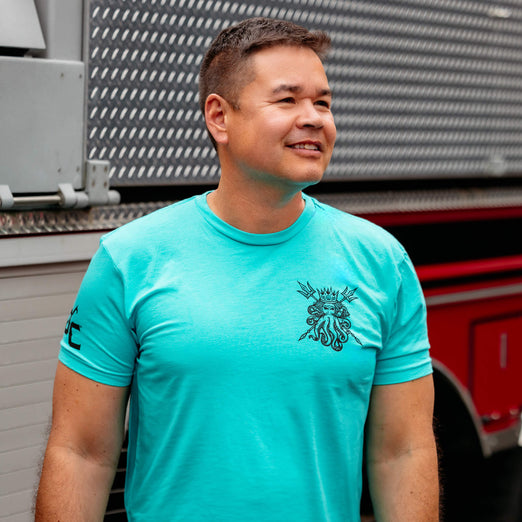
256,330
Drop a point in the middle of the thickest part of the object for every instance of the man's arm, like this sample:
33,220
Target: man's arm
83,448
401,452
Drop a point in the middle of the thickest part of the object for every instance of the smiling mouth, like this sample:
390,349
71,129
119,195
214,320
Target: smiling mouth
305,146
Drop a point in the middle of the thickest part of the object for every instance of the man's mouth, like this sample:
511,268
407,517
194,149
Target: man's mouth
305,146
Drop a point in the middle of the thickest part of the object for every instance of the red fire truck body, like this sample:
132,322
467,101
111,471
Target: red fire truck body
475,330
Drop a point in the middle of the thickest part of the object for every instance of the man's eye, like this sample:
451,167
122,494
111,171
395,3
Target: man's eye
323,103
287,100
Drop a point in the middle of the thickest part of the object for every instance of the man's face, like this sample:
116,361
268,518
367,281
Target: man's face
283,131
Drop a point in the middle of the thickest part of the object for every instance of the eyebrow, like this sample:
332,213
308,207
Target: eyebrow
296,89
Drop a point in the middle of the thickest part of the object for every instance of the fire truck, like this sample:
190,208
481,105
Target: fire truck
99,125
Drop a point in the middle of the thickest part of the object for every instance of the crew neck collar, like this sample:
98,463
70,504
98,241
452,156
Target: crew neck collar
255,239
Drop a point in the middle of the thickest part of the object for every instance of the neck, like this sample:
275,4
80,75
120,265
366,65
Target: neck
256,211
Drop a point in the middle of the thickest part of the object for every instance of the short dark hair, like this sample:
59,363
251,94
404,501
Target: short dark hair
225,69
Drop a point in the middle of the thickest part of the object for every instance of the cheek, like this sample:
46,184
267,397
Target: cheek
330,130
278,123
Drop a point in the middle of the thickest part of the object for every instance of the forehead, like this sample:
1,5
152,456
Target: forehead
288,66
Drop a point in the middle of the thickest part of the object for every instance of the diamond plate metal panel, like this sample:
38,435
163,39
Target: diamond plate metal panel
421,89
105,218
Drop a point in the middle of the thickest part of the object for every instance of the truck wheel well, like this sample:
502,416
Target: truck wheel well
454,427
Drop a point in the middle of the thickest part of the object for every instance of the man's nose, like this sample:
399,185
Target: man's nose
309,115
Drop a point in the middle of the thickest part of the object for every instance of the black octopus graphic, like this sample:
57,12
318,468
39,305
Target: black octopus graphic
328,316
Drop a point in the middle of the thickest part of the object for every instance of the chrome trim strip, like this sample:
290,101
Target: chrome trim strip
108,217
473,295
400,201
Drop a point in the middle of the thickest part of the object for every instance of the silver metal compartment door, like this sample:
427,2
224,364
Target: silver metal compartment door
41,134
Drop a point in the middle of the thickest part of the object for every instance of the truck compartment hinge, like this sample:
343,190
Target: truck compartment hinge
96,192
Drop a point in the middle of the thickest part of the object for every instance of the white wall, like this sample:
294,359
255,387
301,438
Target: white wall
39,278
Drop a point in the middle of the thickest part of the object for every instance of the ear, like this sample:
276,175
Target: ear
216,108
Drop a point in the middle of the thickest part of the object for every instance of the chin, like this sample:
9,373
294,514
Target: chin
311,178
292,179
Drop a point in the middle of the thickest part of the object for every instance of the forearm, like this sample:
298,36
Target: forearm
405,488
73,487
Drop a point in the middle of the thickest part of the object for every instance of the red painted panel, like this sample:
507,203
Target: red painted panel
469,268
497,368
386,219
448,330
466,336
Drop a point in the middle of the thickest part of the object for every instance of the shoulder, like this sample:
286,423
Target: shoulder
340,218
148,239
357,232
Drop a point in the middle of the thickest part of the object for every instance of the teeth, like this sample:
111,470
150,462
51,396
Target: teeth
307,146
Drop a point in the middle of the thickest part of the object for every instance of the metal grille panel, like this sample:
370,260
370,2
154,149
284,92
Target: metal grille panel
421,89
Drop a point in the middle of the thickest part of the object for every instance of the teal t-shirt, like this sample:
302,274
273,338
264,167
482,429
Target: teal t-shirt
251,358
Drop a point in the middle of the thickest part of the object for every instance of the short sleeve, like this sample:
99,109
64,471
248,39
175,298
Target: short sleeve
405,353
98,341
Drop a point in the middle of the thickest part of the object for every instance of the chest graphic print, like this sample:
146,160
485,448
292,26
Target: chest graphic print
328,316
